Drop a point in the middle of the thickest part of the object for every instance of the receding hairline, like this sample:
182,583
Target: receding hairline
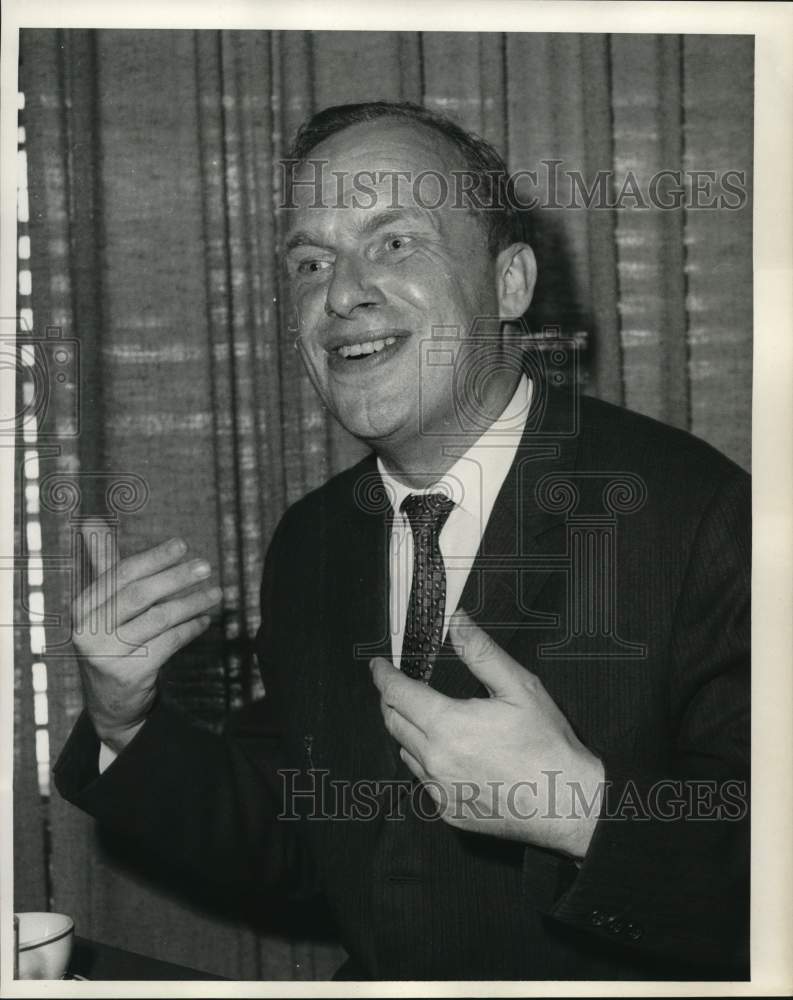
455,160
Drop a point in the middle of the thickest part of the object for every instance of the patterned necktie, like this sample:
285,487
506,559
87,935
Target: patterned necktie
427,514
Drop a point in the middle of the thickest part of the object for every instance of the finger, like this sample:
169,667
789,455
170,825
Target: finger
411,698
165,616
141,594
415,765
404,732
488,662
127,571
164,646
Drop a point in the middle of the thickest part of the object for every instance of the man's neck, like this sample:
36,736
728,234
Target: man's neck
422,460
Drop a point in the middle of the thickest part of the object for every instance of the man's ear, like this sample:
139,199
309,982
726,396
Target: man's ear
516,275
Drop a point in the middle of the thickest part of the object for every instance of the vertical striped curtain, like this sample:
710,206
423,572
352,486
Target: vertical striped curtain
153,188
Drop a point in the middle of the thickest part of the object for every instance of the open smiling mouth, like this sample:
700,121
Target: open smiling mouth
355,351
367,354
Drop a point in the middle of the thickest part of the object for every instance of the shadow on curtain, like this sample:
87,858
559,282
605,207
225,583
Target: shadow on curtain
152,176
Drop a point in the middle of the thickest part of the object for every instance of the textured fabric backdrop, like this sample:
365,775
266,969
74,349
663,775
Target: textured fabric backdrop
154,237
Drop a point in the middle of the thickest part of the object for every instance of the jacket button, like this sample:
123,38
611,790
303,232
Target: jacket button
615,926
597,918
634,931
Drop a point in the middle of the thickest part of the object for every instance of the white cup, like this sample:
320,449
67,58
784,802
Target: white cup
45,945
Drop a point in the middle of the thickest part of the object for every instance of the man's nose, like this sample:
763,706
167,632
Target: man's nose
352,287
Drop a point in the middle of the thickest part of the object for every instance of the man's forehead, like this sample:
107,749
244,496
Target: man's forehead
388,143
383,164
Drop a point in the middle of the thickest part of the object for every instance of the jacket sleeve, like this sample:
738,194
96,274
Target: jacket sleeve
203,803
666,873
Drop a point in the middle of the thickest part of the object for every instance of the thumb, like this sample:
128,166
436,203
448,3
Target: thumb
486,660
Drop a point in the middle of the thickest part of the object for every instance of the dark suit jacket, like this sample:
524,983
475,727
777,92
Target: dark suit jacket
652,673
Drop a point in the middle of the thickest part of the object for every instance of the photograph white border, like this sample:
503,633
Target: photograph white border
772,448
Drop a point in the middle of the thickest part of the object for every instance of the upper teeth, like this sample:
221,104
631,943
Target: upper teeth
370,347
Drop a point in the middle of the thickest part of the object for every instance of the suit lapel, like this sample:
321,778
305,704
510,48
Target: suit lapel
358,609
502,585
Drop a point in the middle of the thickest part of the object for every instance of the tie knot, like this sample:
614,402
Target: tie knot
427,512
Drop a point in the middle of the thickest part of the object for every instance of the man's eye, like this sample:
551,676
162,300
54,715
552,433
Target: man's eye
397,242
312,266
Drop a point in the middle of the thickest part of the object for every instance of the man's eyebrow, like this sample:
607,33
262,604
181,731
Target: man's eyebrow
392,216
371,223
303,238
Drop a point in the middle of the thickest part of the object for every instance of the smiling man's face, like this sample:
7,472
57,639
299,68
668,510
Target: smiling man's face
370,282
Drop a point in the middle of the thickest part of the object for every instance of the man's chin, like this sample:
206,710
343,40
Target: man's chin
374,429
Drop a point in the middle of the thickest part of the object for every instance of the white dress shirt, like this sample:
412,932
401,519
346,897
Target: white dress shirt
473,483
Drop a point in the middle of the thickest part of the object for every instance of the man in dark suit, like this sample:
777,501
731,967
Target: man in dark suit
505,733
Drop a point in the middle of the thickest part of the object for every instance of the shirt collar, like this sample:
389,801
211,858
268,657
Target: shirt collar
477,475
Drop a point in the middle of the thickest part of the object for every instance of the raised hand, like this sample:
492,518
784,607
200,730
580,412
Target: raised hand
133,617
509,765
